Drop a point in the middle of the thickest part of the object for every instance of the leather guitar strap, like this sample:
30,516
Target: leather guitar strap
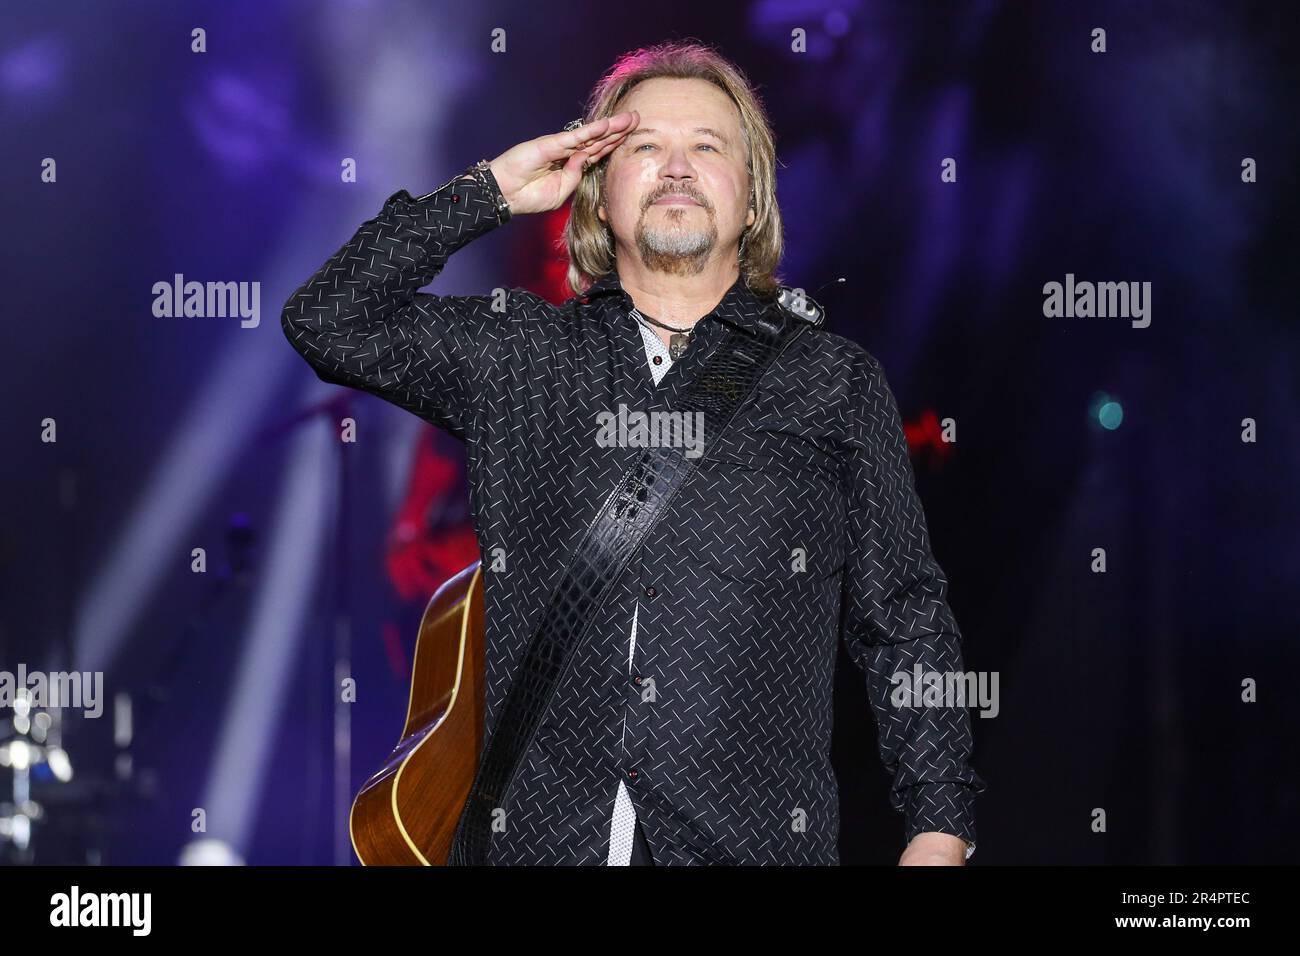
643,494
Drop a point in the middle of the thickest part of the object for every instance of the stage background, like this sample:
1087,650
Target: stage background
1120,690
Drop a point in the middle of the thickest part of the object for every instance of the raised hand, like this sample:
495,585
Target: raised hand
540,174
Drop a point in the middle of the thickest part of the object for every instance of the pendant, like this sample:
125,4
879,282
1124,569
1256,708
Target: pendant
677,344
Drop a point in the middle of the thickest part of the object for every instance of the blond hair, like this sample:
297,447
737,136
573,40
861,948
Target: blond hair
590,242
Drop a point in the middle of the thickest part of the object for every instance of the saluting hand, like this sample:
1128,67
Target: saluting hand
539,175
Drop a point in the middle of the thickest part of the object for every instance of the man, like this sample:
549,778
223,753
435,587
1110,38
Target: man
693,724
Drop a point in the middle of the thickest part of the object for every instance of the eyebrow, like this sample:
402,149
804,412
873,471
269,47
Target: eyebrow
706,130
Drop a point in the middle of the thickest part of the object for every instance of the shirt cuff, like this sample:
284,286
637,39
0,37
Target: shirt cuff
456,212
941,807
474,186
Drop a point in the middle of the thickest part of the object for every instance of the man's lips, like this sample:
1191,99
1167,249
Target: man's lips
675,200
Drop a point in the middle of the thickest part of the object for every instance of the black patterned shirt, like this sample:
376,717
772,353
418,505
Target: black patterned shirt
799,528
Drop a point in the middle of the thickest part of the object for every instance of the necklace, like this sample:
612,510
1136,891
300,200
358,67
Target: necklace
678,342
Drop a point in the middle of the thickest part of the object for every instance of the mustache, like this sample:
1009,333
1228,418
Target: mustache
678,192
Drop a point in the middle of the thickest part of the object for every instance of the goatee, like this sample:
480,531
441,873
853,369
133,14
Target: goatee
674,248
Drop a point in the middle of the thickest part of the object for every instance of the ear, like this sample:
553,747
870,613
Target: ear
749,219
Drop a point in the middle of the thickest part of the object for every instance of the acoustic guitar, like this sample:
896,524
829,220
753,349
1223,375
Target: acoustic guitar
406,814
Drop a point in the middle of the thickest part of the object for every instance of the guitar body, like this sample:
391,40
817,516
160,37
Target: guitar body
406,814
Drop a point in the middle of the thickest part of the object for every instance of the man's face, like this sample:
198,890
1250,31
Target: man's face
675,192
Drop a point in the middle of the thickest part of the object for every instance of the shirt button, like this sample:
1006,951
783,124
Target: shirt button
650,591
636,679
659,360
631,774
455,198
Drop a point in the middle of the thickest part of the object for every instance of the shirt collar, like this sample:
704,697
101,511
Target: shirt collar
740,306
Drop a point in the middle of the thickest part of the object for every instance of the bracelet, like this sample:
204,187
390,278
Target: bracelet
482,173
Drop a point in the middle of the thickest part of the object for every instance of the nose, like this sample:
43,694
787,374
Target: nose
677,168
